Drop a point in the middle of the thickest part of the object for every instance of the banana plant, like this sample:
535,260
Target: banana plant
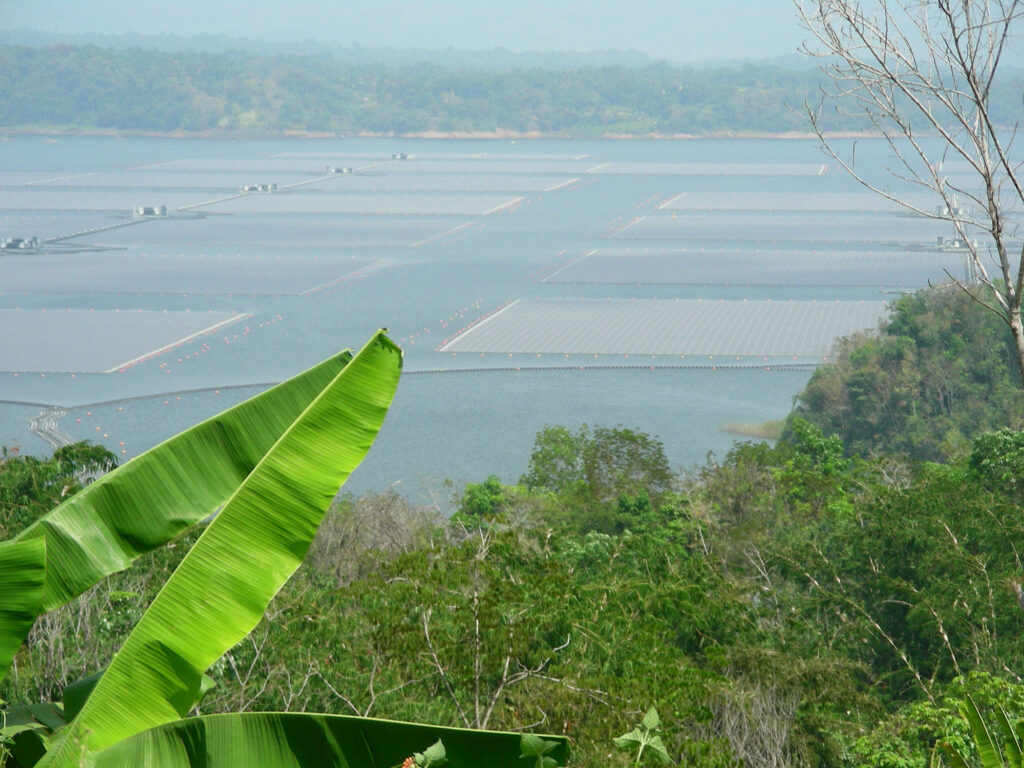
298,740
145,503
22,575
1011,736
270,468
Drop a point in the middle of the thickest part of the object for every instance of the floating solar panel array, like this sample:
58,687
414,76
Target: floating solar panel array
750,266
96,342
43,198
155,179
439,164
369,204
272,165
294,231
50,224
121,272
845,202
412,183
479,156
256,234
490,166
803,329
710,169
23,178
767,228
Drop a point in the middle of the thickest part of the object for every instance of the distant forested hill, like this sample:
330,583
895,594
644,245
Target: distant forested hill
71,87
92,88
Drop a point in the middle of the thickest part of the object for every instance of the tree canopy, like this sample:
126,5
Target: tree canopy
86,87
939,372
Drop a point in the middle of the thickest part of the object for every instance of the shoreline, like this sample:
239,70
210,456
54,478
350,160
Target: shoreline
8,133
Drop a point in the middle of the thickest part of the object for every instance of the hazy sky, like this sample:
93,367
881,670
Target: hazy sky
682,30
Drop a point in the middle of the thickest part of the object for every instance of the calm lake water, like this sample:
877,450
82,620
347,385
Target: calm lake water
429,246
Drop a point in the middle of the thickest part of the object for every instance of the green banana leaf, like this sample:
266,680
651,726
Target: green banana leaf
77,693
955,758
224,584
299,740
153,498
22,575
26,729
1011,744
987,749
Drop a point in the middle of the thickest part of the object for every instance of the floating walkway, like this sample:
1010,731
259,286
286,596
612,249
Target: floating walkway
45,426
94,230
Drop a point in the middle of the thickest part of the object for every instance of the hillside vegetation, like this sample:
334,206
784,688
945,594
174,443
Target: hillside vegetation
91,88
937,374
88,88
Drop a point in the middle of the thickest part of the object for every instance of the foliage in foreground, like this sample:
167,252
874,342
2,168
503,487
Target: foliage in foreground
270,467
788,605
30,487
785,603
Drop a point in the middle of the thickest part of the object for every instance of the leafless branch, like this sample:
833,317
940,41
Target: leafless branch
441,671
915,69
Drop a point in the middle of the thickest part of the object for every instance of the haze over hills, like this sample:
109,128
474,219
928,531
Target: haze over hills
681,32
494,58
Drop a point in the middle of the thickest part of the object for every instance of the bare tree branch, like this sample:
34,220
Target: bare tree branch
926,68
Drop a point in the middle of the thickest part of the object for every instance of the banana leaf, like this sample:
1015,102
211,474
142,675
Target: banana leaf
954,756
26,730
153,498
986,745
221,589
1011,743
77,693
300,740
22,575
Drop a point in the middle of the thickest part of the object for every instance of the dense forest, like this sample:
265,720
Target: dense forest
940,371
831,600
144,90
104,89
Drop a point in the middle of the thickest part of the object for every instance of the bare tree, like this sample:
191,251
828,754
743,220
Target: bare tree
756,721
926,68
356,536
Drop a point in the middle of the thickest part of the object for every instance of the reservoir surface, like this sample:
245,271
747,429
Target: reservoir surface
674,287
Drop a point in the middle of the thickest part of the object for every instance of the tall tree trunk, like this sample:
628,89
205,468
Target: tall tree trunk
1017,328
